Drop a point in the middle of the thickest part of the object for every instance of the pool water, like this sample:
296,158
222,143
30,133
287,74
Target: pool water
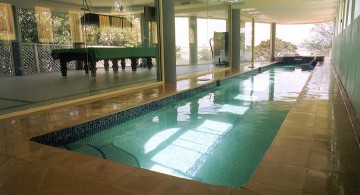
215,137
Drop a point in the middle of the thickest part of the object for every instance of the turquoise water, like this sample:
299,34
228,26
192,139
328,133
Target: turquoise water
216,137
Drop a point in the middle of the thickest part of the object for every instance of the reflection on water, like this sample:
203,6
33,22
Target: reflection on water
216,137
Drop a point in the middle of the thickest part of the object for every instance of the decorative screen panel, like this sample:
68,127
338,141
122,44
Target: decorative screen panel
6,67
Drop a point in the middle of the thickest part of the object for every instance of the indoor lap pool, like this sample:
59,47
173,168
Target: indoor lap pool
216,134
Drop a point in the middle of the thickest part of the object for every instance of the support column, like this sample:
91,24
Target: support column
193,43
144,31
17,47
235,39
144,36
272,41
168,41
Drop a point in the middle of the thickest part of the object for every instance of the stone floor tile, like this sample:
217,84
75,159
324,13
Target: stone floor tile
77,190
12,165
183,188
287,156
346,163
335,147
18,146
307,108
145,182
264,189
220,190
332,135
287,176
106,190
21,181
289,130
293,142
45,155
300,119
105,172
57,180
323,182
340,123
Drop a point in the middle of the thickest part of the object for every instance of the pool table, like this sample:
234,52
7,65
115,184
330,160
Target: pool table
93,54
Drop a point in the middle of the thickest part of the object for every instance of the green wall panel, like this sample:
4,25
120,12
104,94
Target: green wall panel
346,58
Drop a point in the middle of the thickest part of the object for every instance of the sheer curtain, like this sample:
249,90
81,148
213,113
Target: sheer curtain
44,24
7,30
75,27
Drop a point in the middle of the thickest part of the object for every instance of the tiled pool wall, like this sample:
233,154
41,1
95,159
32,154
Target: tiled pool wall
69,135
299,59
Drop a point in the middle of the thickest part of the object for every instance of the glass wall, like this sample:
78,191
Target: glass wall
346,3
262,42
350,12
290,38
202,37
245,39
357,9
182,41
72,50
304,39
341,16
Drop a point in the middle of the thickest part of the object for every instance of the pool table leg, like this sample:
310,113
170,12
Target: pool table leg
122,63
63,67
93,67
106,65
115,65
149,63
86,67
134,63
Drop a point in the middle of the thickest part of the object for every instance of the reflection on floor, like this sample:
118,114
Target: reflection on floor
36,90
314,152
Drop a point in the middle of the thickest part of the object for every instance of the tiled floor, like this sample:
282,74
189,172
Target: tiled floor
314,152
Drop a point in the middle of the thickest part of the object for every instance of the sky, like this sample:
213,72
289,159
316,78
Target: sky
205,30
295,34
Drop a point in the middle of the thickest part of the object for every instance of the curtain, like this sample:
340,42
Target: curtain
75,27
154,33
116,21
44,24
7,30
104,21
126,23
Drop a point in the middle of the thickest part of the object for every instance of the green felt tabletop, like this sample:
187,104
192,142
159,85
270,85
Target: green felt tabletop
108,53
